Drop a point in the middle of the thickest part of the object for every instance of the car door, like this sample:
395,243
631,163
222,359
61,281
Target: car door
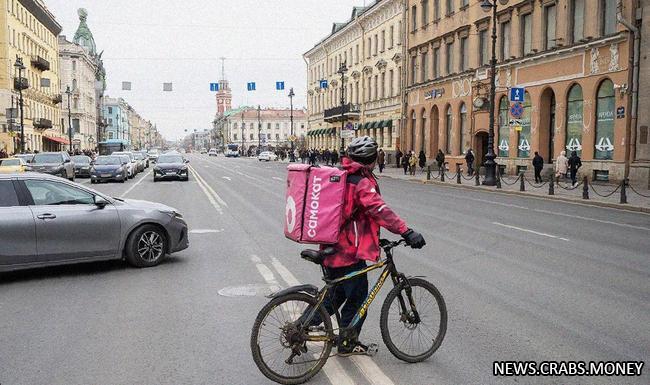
68,223
17,228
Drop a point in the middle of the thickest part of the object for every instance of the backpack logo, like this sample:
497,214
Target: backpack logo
314,205
290,214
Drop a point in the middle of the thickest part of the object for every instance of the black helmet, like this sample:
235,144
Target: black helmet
363,150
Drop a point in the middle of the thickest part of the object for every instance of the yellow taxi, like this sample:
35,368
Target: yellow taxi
13,165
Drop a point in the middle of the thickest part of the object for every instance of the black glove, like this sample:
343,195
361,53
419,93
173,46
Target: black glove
414,239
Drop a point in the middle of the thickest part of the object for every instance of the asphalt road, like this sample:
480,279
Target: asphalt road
523,279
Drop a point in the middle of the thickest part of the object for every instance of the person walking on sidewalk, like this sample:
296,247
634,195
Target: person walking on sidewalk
398,157
413,161
422,160
469,159
405,162
574,165
561,166
381,160
538,165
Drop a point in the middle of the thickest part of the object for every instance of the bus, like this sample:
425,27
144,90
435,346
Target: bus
113,145
232,150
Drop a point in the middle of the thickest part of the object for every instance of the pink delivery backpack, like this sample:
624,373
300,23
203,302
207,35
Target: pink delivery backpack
314,203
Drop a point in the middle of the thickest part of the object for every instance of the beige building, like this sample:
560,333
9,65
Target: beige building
370,45
270,128
572,58
29,31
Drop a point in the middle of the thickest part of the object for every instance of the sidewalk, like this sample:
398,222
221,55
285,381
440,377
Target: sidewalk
599,194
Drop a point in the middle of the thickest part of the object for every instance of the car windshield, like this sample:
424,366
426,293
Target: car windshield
10,162
80,159
125,158
47,158
170,159
138,156
108,160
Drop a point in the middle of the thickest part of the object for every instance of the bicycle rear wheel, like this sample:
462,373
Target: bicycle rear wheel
406,337
278,344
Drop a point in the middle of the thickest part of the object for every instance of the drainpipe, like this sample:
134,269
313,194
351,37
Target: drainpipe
630,132
404,74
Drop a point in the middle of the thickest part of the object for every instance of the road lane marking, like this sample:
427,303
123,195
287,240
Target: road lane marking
277,178
593,219
205,231
213,202
529,231
200,179
371,371
135,184
226,177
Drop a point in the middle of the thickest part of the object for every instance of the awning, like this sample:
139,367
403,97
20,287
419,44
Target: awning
388,123
374,124
332,131
363,126
57,139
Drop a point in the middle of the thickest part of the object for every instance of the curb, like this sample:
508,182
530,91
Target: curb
586,202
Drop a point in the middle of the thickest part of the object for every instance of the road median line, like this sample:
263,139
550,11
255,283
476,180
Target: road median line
206,192
207,186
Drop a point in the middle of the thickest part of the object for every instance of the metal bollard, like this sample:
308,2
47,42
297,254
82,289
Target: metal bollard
623,192
477,180
458,174
585,188
498,177
551,186
429,172
522,186
442,173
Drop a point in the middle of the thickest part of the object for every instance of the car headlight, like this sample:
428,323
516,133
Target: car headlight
119,170
172,213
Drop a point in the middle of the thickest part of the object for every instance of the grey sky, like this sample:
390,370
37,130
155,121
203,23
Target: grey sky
150,42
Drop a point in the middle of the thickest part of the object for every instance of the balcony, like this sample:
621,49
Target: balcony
346,112
40,63
42,124
21,84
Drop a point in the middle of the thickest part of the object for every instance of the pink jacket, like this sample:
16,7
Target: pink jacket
359,239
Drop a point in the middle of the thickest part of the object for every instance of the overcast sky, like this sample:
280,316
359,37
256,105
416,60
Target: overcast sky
150,42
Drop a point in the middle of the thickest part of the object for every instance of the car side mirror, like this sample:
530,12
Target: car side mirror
101,202
66,161
187,161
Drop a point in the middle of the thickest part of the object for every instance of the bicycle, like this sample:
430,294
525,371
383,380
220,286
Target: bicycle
308,346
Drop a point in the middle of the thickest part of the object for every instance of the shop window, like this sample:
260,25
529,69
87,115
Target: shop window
574,120
463,143
523,137
605,110
448,127
504,128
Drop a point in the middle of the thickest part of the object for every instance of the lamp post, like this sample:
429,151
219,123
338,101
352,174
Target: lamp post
259,129
20,67
242,132
342,70
291,95
69,92
490,164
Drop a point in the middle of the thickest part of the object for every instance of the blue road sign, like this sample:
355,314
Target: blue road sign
214,86
323,84
516,110
279,86
251,86
517,94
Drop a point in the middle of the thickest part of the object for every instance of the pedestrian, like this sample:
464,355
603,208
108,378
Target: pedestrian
405,163
538,165
335,157
440,159
413,161
574,164
3,154
327,156
381,160
469,159
422,160
398,157
561,166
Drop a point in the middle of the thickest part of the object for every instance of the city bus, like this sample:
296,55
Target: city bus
232,150
113,145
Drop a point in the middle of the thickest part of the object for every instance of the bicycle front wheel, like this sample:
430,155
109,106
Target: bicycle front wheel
279,342
409,336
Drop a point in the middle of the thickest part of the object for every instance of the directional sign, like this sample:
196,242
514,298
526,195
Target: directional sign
517,94
279,86
347,134
323,84
251,86
292,138
214,86
516,110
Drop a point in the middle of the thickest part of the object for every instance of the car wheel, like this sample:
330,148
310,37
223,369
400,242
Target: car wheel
155,179
122,179
92,181
146,246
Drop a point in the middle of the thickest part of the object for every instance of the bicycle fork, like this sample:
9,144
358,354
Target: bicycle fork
412,317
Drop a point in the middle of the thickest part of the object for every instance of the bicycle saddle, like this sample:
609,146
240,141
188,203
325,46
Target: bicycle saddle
317,256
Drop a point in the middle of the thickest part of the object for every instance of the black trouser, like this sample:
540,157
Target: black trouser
470,168
538,175
573,175
381,167
406,167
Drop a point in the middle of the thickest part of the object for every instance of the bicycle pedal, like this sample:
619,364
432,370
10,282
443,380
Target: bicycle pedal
372,349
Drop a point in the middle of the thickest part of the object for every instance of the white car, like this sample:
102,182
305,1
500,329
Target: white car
212,152
267,156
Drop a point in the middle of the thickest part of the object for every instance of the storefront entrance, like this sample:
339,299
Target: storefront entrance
480,146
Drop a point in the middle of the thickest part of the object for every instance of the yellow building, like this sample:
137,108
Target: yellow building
29,32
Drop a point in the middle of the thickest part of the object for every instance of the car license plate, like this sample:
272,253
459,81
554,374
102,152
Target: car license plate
170,173
106,175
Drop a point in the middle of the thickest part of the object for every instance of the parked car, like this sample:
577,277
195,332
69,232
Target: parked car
134,163
26,157
140,161
204,151
213,152
107,168
13,165
81,165
54,163
171,166
126,161
153,155
267,156
145,156
39,214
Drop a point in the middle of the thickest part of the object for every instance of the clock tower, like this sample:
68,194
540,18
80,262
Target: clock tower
224,95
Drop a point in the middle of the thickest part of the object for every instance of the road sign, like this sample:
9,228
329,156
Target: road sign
516,110
292,138
620,112
349,126
517,94
214,86
251,86
279,86
514,122
347,134
323,84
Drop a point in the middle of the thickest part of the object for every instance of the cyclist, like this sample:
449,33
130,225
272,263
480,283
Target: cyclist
365,212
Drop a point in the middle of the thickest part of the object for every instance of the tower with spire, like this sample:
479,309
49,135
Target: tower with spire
224,95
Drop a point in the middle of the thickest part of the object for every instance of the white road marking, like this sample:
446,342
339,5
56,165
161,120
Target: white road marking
593,220
529,231
210,189
205,231
226,177
277,178
135,184
371,371
266,273
255,258
213,202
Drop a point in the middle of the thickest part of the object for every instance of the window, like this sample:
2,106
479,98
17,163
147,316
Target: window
464,54
234,126
75,126
523,136
251,126
424,66
47,193
414,66
449,58
464,3
383,85
399,32
277,126
450,7
376,46
369,48
383,40
504,128
74,65
251,136
448,123
574,120
425,12
605,121
607,17
526,34
483,47
234,136
356,54
414,18
391,37
110,135
391,80
8,196
436,62
577,20
376,87
505,40
74,84
550,25
464,133
277,137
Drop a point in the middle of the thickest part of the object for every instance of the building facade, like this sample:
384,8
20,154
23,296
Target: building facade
571,56
116,113
640,168
371,46
271,128
30,33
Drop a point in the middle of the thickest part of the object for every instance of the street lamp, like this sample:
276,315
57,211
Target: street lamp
20,67
490,164
69,92
259,129
291,95
342,70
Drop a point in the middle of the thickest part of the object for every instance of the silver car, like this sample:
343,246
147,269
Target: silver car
54,163
45,220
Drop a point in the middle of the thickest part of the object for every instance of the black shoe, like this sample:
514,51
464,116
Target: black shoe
356,348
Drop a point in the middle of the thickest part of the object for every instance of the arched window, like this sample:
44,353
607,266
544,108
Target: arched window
504,128
464,135
422,128
574,120
448,125
523,138
74,84
605,121
413,126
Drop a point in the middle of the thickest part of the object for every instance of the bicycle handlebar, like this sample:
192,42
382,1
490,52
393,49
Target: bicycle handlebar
387,245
